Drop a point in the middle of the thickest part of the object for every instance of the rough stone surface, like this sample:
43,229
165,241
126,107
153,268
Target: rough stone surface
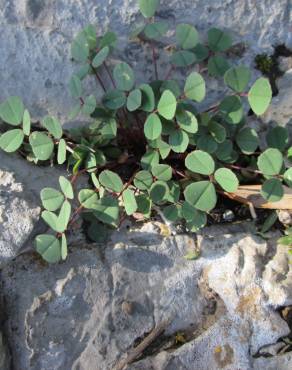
282,362
280,109
88,312
20,185
36,35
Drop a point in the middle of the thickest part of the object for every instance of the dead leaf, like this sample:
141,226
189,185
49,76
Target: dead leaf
250,195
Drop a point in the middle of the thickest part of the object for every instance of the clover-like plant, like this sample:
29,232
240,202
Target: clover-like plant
149,145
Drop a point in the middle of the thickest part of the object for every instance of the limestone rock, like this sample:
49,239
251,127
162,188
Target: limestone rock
89,311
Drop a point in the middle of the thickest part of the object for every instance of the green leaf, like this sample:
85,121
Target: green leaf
109,130
109,39
134,100
124,76
270,162
111,180
226,179
61,155
90,33
167,105
272,190
218,40
148,99
42,145
74,111
224,150
201,52
179,141
97,232
231,108
162,172
285,240
64,248
189,212
114,99
171,212
156,30
48,246
207,143
148,7
237,78
195,219
247,140
80,48
217,131
152,127
201,195
187,36
52,199
269,222
143,180
171,85
51,219
200,162
144,204
87,198
53,126
26,122
66,187
75,87
89,105
192,255
288,177
11,140
187,121
95,181
64,216
260,95
159,191
106,210
183,58
278,138
129,200
83,71
100,57
195,87
149,159
11,111
217,66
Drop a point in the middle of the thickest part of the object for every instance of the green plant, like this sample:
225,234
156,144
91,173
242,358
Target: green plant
149,144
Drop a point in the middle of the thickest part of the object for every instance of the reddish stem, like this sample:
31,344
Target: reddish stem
98,78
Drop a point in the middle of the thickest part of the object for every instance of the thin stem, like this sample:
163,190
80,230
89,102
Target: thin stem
154,61
110,75
98,78
171,69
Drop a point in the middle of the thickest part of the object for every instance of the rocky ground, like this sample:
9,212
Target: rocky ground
229,309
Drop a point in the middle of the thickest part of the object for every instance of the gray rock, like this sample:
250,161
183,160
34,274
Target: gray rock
89,311
20,185
4,356
285,63
36,35
280,109
282,362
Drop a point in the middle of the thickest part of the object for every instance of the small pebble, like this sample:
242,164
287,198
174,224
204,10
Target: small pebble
228,215
285,217
127,307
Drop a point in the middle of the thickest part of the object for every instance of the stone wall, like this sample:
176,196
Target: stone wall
35,36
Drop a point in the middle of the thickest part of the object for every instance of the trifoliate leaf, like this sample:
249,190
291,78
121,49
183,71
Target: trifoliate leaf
179,141
200,162
270,162
52,199
237,78
124,76
187,36
87,198
156,30
11,111
11,140
162,172
272,190
129,200
42,145
48,246
226,179
114,99
217,66
201,195
218,40
183,58
106,210
111,181
167,105
260,95
143,180
152,127
195,87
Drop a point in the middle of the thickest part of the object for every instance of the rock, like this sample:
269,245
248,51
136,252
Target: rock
20,185
285,217
89,311
285,63
282,362
40,69
280,109
4,353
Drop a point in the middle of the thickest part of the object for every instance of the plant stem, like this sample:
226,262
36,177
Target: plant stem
154,61
98,78
169,73
110,75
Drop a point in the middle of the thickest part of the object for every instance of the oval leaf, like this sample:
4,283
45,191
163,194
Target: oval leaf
201,195
11,140
260,95
200,162
48,246
42,145
167,105
226,179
